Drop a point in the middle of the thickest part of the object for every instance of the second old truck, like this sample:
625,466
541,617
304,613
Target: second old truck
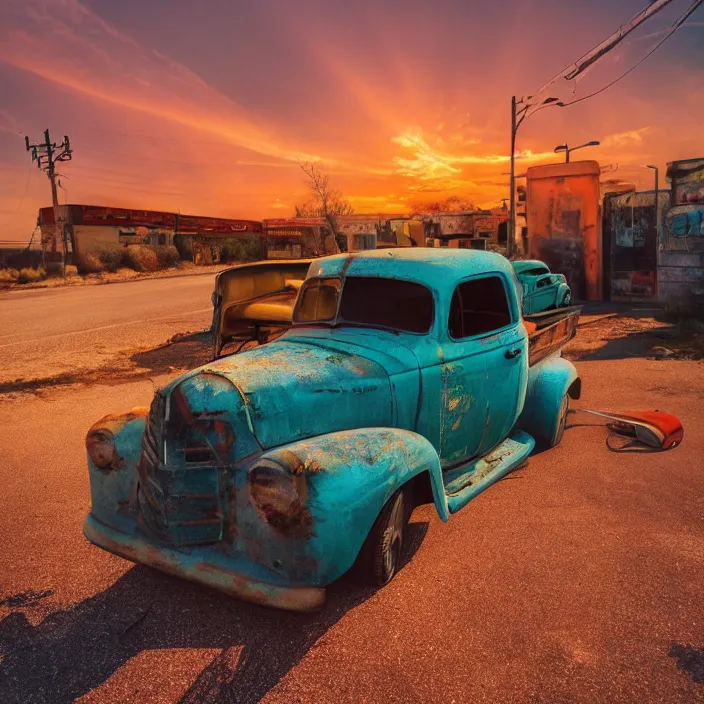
403,377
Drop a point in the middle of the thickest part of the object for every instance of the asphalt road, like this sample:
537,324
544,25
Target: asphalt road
48,332
579,578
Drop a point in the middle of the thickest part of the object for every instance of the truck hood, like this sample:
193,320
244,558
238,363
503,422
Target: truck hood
296,389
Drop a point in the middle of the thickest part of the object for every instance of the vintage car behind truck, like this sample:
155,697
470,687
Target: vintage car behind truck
406,376
541,290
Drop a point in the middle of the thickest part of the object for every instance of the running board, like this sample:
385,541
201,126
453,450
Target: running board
464,483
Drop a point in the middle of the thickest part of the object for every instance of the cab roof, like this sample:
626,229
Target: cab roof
437,268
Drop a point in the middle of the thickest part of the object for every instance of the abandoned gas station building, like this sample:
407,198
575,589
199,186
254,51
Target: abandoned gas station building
88,228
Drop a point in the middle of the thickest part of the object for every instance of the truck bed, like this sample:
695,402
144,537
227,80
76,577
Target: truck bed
554,329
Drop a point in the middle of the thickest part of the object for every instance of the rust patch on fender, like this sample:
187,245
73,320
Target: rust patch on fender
296,466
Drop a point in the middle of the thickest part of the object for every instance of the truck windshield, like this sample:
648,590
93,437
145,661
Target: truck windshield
369,301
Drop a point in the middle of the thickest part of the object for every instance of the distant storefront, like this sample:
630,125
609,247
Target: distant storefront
465,230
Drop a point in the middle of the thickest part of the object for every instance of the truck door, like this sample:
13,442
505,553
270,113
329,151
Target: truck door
484,370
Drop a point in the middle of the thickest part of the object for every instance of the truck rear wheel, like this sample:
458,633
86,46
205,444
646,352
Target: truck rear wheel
561,422
380,557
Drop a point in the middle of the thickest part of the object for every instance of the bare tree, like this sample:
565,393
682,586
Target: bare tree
326,202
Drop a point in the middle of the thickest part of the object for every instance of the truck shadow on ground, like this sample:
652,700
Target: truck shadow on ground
179,353
75,650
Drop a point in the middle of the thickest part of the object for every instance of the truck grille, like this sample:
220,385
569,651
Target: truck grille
179,500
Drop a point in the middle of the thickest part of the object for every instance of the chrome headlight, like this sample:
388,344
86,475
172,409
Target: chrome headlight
100,444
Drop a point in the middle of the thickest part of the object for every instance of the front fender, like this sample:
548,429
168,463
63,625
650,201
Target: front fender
349,476
548,382
111,485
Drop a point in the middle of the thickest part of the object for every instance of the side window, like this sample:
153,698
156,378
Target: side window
478,307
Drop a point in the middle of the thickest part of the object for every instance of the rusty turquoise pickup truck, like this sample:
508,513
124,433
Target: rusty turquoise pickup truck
402,377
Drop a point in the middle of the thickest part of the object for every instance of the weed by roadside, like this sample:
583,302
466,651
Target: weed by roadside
28,275
9,276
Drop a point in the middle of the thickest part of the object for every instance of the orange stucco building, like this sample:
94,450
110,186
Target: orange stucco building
564,223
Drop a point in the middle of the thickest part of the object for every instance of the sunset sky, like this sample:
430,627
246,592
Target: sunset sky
207,106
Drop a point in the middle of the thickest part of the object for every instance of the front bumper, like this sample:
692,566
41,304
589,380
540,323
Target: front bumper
200,565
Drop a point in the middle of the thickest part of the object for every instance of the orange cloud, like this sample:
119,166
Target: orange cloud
431,163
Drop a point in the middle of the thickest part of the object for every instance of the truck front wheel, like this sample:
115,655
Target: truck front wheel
380,557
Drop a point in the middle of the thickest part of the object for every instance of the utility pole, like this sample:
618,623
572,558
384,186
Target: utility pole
46,154
657,204
510,239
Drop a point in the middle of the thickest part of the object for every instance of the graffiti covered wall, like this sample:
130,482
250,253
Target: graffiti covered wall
631,243
681,251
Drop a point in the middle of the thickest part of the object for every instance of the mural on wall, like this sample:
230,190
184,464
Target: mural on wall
686,217
686,221
690,188
681,253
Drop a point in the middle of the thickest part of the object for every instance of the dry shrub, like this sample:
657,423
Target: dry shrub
90,263
9,275
71,270
30,276
167,256
243,249
186,265
140,257
110,257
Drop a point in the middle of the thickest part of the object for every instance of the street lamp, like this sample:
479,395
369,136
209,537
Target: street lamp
567,150
657,208
517,117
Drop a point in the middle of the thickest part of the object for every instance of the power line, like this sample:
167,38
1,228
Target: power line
594,54
673,29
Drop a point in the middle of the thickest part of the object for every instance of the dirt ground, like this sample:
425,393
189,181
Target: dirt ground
648,335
